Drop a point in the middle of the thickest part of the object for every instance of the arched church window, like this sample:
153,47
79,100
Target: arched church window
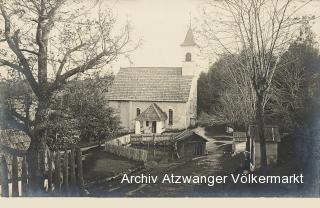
170,117
138,111
188,57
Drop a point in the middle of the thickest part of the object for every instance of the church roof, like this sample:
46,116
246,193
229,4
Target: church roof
189,40
152,113
151,84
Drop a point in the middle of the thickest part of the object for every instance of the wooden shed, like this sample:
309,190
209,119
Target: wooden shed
272,137
189,144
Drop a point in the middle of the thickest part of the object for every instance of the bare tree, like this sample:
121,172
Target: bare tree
48,42
261,31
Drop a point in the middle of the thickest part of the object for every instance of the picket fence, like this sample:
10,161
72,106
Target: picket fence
63,177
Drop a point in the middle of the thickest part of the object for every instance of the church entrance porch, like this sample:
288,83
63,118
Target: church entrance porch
151,121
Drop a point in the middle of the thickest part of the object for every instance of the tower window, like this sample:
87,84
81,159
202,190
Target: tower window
138,111
188,57
170,117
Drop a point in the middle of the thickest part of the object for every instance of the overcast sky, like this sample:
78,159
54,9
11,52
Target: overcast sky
162,25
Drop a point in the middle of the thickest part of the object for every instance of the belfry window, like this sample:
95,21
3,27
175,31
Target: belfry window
188,57
138,111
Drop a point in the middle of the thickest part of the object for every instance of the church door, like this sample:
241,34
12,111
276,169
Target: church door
154,127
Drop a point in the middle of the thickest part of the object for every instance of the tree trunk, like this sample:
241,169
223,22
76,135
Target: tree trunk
260,122
37,149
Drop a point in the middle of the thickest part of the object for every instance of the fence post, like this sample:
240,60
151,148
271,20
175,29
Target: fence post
42,168
65,172
80,171
14,178
24,177
50,160
57,182
4,178
72,169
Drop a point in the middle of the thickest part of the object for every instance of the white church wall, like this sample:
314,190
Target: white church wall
127,116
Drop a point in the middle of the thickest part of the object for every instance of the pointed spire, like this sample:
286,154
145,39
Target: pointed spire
189,39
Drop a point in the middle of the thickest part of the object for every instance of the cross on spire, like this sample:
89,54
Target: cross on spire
190,20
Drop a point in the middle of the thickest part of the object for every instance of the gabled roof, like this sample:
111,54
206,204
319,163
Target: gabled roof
152,113
150,84
271,133
189,40
187,134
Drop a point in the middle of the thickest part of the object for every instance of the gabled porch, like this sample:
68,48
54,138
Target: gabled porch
151,121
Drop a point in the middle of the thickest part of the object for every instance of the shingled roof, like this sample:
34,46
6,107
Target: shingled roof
150,84
186,134
152,113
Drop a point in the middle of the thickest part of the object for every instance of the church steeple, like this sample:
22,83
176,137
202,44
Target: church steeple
189,39
190,51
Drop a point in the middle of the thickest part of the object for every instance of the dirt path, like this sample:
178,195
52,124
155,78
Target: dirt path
210,164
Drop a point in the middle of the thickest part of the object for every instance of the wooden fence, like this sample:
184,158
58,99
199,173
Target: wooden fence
152,139
63,173
127,152
124,140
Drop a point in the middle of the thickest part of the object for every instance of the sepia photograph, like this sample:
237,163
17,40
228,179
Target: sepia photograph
159,98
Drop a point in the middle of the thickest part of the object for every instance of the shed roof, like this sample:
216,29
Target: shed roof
152,113
186,134
271,133
151,84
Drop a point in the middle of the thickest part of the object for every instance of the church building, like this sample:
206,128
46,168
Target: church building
156,99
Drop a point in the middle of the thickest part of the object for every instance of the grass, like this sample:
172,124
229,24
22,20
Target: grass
100,165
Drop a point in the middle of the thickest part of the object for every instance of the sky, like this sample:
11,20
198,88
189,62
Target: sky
162,26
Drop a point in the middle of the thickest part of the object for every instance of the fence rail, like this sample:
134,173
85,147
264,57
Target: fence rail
63,175
127,152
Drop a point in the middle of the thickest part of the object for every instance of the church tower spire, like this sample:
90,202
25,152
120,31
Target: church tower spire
189,53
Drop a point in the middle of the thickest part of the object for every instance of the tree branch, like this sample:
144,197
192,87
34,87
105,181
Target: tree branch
21,117
89,65
13,43
29,51
11,65
66,56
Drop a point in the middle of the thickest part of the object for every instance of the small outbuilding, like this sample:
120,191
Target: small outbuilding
239,142
189,144
272,138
